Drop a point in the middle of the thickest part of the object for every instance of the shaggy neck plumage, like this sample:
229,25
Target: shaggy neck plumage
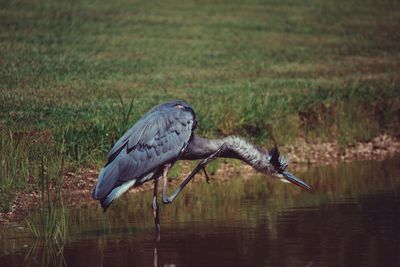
236,147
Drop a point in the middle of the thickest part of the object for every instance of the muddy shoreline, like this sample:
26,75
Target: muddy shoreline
77,186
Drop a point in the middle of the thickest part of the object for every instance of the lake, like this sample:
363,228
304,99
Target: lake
350,218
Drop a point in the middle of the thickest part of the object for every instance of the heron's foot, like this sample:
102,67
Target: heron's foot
210,158
205,173
199,167
213,155
168,200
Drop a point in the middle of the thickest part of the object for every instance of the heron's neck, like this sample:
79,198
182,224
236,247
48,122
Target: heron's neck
236,147
241,149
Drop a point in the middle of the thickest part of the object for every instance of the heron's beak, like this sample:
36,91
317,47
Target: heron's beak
294,180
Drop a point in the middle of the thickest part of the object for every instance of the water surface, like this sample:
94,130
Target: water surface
351,218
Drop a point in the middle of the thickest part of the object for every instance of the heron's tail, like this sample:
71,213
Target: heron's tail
116,193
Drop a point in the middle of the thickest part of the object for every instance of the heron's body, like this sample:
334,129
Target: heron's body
158,138
164,135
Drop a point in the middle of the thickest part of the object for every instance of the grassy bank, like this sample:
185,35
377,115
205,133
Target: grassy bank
69,70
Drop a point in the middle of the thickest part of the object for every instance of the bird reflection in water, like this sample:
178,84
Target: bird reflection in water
155,257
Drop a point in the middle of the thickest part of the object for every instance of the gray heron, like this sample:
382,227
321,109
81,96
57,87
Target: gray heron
164,135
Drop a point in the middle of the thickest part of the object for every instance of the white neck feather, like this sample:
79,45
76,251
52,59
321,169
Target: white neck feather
254,156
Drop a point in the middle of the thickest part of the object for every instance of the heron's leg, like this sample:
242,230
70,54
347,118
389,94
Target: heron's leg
156,210
200,166
165,183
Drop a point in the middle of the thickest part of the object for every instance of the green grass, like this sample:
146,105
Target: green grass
14,170
312,69
51,223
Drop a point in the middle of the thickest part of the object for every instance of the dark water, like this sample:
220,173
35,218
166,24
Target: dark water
350,219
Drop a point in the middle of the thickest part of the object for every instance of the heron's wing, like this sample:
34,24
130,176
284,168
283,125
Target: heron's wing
159,130
162,140
135,131
158,138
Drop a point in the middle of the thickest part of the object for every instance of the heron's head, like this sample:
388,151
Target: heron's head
280,171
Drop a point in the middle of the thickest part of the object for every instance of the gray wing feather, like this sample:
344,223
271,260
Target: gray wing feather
157,138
